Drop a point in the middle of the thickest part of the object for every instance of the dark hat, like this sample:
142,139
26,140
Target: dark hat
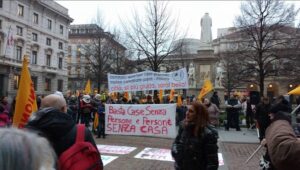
280,107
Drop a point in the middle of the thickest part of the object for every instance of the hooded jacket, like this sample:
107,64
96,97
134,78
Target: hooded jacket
58,127
283,145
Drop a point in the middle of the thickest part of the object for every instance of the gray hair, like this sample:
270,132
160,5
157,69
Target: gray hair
21,149
54,100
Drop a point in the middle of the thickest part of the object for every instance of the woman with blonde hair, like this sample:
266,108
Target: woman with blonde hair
21,149
195,146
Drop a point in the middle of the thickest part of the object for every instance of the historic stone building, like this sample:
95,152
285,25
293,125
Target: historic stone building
274,85
79,63
39,29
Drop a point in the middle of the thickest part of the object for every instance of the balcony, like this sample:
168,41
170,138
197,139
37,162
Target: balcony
49,69
4,60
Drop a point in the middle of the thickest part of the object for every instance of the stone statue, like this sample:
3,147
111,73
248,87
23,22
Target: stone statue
206,23
219,75
191,75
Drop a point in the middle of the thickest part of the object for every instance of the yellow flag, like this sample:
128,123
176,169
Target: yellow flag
206,88
295,91
26,99
160,95
96,121
179,100
87,89
172,94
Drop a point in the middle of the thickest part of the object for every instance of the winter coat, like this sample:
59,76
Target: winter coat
283,146
58,127
4,119
215,100
195,153
262,115
213,112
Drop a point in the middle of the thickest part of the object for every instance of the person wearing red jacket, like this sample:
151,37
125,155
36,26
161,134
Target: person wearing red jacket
86,110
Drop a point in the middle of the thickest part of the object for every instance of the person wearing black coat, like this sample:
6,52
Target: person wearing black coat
195,146
56,125
262,116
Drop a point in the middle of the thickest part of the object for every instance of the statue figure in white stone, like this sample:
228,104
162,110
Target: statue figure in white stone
206,23
191,74
219,75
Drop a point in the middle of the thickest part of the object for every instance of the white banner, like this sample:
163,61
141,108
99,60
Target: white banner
148,80
155,154
142,120
112,149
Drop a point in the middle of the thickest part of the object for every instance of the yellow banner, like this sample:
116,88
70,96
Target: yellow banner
87,89
96,121
172,92
207,87
26,99
179,100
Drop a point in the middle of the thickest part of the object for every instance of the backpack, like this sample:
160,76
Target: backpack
81,155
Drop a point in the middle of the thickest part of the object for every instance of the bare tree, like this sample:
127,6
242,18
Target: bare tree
265,30
103,53
153,34
232,74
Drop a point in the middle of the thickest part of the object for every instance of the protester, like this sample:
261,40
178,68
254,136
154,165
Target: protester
57,126
101,117
282,143
276,112
5,105
215,99
85,110
262,116
233,107
213,112
4,118
24,150
73,107
195,146
181,111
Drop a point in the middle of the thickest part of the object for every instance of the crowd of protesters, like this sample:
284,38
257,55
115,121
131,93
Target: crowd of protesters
48,122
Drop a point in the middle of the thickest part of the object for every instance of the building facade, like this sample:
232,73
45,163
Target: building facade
39,29
89,47
274,85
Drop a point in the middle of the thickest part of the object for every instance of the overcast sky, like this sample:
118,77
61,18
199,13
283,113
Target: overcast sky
188,13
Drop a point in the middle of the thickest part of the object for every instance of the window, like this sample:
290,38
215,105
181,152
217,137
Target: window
16,81
34,36
19,53
1,3
34,57
49,24
20,10
47,84
0,23
61,29
60,62
35,18
19,31
48,60
48,41
35,82
60,85
60,45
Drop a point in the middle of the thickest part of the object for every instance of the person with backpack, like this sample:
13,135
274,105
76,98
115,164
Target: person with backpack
86,110
71,143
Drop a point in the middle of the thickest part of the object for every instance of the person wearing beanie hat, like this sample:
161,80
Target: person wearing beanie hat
283,146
